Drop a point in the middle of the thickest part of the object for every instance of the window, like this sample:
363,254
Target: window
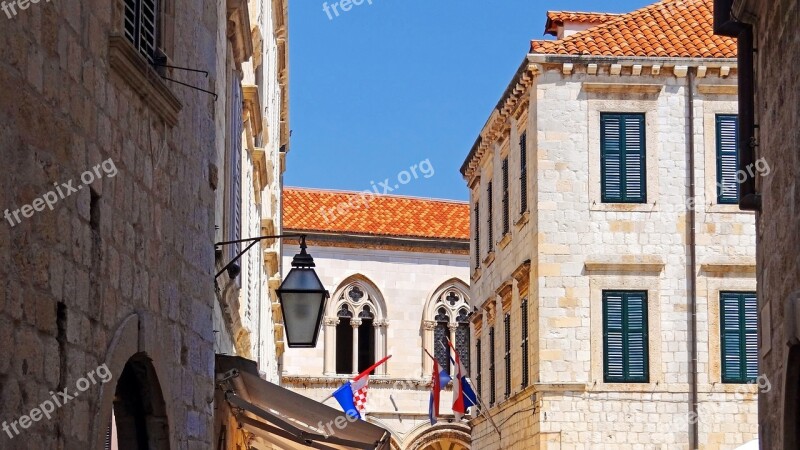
507,349
523,310
727,159
479,368
492,397
506,222
622,158
462,337
358,320
235,168
477,224
489,217
523,173
447,319
739,336
141,25
441,333
625,345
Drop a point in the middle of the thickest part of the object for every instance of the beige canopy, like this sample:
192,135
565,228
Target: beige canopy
289,420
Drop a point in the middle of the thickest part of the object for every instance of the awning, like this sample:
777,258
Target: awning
287,419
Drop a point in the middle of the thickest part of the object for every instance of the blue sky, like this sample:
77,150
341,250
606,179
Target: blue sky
385,86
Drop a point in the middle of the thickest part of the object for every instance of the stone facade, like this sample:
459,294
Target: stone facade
567,247
777,96
248,204
403,283
119,271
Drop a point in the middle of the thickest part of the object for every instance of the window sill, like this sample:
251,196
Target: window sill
476,275
489,258
726,208
143,79
523,219
623,207
504,242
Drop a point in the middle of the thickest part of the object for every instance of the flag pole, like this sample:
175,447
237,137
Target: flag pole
484,409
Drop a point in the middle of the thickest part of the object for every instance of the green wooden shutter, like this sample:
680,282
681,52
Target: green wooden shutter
739,336
751,335
727,159
625,340
622,158
636,336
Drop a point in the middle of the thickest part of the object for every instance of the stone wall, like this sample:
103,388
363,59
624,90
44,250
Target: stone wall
136,245
776,113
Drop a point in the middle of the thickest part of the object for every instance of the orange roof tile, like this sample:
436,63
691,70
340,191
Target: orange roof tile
383,215
557,18
669,28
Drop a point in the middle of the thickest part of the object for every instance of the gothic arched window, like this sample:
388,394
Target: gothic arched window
355,329
447,319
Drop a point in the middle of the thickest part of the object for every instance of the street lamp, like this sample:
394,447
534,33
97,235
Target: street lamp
302,294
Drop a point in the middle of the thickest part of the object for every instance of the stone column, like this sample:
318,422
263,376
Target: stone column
427,342
355,323
380,345
330,345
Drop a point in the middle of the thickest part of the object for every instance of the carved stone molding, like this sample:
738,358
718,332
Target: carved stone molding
126,62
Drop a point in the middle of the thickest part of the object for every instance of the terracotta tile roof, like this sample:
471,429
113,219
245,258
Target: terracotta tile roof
383,215
669,28
557,18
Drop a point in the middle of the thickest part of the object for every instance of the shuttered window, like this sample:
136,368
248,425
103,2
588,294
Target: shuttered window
622,159
523,173
492,393
507,352
490,217
506,206
477,225
523,310
739,336
625,346
727,159
235,167
479,367
141,25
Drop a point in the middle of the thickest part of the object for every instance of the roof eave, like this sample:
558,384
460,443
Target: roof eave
545,58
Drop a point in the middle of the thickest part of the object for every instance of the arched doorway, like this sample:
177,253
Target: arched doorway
139,414
442,437
791,402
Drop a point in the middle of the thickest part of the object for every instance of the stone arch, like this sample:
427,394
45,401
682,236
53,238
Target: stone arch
136,363
371,292
442,436
791,401
446,308
356,301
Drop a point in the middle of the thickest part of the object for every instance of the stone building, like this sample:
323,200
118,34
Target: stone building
769,101
251,163
396,268
611,268
107,266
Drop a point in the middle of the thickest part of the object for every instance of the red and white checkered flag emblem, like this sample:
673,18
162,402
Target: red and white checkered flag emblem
360,393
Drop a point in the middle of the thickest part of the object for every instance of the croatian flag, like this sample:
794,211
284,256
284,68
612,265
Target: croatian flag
352,396
440,380
463,395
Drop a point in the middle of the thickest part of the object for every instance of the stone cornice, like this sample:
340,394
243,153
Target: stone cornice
239,31
337,380
252,107
741,267
650,264
497,124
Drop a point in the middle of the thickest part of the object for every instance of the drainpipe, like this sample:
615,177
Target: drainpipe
691,273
